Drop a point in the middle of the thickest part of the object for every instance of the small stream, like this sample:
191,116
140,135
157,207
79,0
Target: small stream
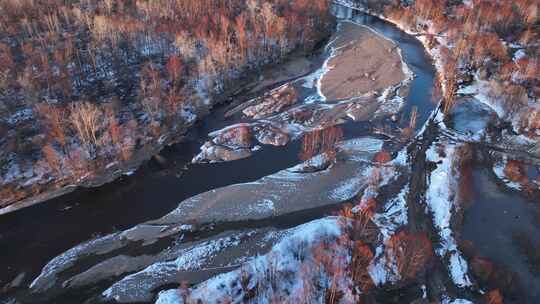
31,237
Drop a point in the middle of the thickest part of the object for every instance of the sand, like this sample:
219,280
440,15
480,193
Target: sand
364,62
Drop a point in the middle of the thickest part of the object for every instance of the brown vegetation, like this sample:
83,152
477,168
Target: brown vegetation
480,36
515,171
113,76
382,157
411,253
493,297
361,258
320,141
85,118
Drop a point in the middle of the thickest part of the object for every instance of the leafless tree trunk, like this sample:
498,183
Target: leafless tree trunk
85,118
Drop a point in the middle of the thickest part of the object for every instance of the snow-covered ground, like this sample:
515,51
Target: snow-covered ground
291,270
441,200
312,261
270,196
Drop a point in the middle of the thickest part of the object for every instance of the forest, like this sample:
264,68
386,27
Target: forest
389,153
86,85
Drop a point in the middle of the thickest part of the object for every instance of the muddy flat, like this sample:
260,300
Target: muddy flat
364,62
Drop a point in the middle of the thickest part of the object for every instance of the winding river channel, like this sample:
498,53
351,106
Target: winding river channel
500,221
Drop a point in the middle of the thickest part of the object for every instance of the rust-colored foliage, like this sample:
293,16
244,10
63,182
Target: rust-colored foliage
85,118
451,81
327,259
319,141
411,252
477,34
113,127
174,67
530,121
54,120
482,268
347,211
413,118
515,171
333,296
466,184
363,228
53,159
362,210
324,256
6,59
368,206
382,157
493,297
78,162
361,258
66,59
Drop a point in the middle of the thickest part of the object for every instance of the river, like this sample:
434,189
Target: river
32,237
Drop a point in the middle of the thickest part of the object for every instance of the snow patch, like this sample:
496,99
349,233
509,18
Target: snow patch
171,296
440,199
459,269
263,206
498,169
190,259
347,189
282,271
62,262
380,270
394,215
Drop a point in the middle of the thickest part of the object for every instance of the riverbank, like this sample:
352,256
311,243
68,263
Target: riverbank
40,186
514,99
363,78
249,199
416,249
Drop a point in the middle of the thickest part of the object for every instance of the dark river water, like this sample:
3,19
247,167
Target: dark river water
30,237
504,225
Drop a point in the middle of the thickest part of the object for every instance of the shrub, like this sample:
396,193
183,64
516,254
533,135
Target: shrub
85,118
411,252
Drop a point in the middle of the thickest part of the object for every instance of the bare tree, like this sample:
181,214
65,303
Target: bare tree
53,118
52,159
85,118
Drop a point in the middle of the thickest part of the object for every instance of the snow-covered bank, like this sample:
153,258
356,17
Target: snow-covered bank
340,180
441,200
291,270
522,111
